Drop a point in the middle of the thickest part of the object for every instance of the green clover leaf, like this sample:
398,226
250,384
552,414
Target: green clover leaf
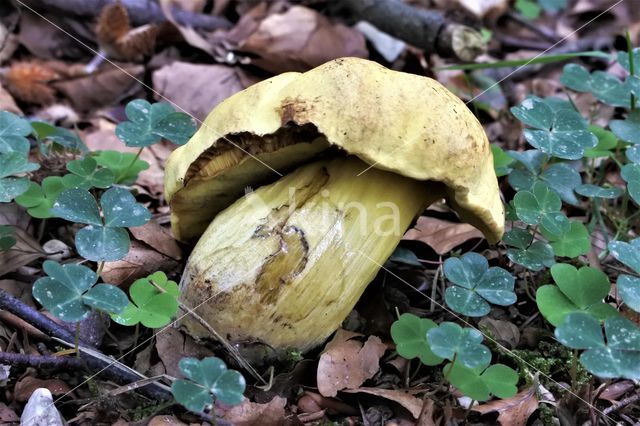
7,237
409,333
13,134
562,133
479,385
86,174
63,137
595,191
152,307
69,292
449,340
541,206
476,285
576,290
534,255
208,378
623,59
604,86
38,200
148,124
501,161
628,285
628,129
633,154
573,243
125,166
560,177
607,141
10,164
100,241
631,174
618,357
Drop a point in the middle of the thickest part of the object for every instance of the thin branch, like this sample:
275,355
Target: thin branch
426,29
140,11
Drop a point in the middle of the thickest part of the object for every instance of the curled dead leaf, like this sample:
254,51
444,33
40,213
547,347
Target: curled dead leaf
296,40
119,40
441,235
514,411
159,238
346,363
250,413
30,82
198,88
408,401
104,87
25,387
140,261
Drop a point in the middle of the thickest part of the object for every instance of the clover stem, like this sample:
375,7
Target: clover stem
632,68
453,361
136,334
574,367
77,340
124,173
100,268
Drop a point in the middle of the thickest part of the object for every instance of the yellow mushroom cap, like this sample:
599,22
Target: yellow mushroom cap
394,121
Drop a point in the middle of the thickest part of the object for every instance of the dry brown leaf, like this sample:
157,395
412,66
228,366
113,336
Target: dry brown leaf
25,387
514,411
157,237
616,390
505,332
408,401
165,420
296,40
140,261
118,40
107,86
441,235
30,82
198,88
7,103
346,363
252,414
172,346
426,415
7,415
26,250
46,41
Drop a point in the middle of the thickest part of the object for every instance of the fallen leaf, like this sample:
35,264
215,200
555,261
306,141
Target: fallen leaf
505,332
408,401
25,387
40,410
140,261
296,40
172,346
7,415
46,41
157,237
441,235
616,390
117,38
30,82
198,88
481,9
25,251
426,415
106,86
165,420
514,411
250,413
346,363
7,103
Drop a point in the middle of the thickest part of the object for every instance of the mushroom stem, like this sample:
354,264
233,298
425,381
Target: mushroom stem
283,265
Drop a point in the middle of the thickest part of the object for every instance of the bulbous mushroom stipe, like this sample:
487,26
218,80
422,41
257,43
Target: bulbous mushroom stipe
362,150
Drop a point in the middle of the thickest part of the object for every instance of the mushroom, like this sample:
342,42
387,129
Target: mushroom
301,186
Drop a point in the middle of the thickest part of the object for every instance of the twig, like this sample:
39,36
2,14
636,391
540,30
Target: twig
427,29
541,30
35,318
42,361
140,11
